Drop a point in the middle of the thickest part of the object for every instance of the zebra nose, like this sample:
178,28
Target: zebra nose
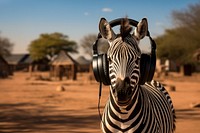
122,84
122,90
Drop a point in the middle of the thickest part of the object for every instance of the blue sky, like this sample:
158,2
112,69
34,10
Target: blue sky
22,21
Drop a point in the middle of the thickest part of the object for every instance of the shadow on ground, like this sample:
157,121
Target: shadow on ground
26,117
190,113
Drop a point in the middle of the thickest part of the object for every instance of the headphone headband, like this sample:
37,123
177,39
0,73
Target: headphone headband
118,21
132,22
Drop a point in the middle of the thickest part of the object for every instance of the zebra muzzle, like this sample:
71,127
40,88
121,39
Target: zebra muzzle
123,91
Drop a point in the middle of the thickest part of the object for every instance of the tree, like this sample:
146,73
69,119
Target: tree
88,41
50,45
180,42
5,46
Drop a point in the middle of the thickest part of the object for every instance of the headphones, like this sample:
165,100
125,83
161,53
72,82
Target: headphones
101,66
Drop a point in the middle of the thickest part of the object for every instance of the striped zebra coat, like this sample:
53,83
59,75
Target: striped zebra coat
150,111
132,107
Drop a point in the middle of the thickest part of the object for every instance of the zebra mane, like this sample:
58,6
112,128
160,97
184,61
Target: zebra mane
125,28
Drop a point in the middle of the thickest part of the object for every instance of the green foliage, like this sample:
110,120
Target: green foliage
50,45
183,40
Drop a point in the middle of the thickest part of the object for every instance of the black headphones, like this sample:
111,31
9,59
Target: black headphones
100,62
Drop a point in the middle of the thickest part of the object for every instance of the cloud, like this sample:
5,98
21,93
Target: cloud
86,13
107,10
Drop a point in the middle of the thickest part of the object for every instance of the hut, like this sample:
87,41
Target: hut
83,64
19,61
39,65
5,70
63,65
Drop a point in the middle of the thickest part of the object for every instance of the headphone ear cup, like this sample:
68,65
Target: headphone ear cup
100,69
145,62
95,68
152,67
104,71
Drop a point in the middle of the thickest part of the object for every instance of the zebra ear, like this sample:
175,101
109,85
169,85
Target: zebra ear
106,30
141,29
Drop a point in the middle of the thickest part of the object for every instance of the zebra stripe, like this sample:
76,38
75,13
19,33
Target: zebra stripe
151,108
149,112
132,107
124,54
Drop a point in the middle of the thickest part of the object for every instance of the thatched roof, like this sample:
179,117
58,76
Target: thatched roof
83,61
15,59
63,58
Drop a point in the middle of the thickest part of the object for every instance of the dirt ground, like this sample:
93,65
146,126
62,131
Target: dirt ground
36,106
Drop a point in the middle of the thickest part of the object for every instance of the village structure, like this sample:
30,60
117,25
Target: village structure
64,66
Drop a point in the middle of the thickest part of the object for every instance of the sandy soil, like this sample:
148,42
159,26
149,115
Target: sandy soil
29,105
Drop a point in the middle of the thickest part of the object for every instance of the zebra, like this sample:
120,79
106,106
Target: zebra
132,107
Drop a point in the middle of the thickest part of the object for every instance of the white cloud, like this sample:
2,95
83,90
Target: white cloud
107,10
86,13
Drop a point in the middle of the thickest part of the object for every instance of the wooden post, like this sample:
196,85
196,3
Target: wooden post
30,69
73,68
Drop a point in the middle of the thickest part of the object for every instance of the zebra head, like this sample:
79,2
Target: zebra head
124,58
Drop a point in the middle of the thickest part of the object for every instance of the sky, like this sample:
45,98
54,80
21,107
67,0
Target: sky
22,21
